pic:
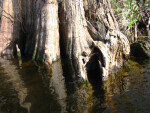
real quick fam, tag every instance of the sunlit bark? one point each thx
(88, 32)
(10, 27)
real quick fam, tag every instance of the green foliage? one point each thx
(134, 12)
(146, 5)
(129, 10)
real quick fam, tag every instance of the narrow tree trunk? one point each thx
(135, 33)
(10, 27)
(148, 28)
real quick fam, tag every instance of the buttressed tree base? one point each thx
(84, 31)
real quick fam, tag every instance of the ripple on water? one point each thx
(26, 88)
(136, 98)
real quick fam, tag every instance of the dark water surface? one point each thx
(27, 88)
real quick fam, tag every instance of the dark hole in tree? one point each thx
(94, 74)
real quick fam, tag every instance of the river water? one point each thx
(28, 88)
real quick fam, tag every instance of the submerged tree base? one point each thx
(85, 32)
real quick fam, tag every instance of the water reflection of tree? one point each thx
(38, 95)
(56, 90)
(32, 94)
(11, 72)
(83, 97)
(117, 82)
(57, 85)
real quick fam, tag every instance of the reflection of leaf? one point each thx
(137, 9)
(126, 6)
(146, 5)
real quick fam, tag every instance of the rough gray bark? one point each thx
(83, 45)
(41, 23)
(77, 41)
(117, 43)
(88, 30)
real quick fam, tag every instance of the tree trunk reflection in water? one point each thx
(17, 83)
(57, 84)
(33, 96)
(39, 91)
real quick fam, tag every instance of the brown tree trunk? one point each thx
(76, 39)
(42, 30)
(90, 36)
(47, 32)
(83, 48)
(10, 27)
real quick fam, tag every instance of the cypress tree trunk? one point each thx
(42, 30)
(10, 27)
(89, 34)
(76, 39)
